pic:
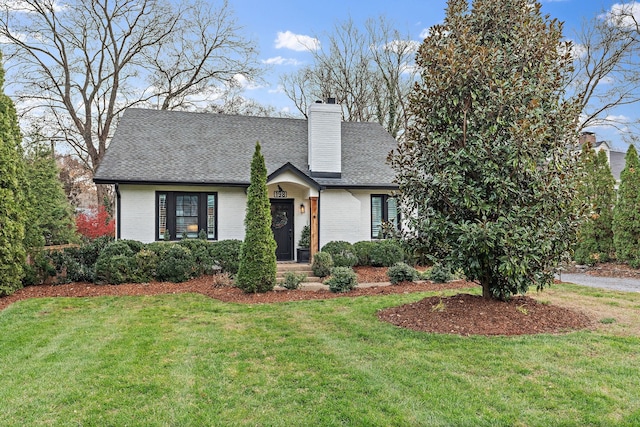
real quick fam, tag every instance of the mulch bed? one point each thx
(465, 314)
(460, 314)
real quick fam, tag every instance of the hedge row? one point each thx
(105, 261)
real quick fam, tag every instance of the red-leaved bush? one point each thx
(95, 223)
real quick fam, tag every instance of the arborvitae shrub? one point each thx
(322, 264)
(257, 270)
(626, 221)
(386, 253)
(363, 251)
(342, 253)
(402, 272)
(226, 255)
(343, 279)
(176, 264)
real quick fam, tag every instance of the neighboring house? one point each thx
(185, 172)
(615, 158)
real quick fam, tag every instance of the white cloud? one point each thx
(279, 89)
(611, 121)
(279, 60)
(578, 50)
(401, 46)
(425, 33)
(297, 42)
(625, 15)
(245, 83)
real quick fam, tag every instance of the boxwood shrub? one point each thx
(226, 255)
(341, 252)
(176, 264)
(386, 253)
(363, 251)
(343, 279)
(322, 264)
(402, 272)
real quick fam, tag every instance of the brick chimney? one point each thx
(325, 139)
(588, 137)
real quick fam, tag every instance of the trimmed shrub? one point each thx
(158, 248)
(292, 280)
(322, 264)
(201, 256)
(116, 264)
(176, 264)
(226, 255)
(342, 253)
(134, 245)
(440, 273)
(89, 252)
(402, 272)
(115, 269)
(386, 253)
(363, 251)
(343, 279)
(146, 262)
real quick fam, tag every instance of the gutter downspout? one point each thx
(118, 214)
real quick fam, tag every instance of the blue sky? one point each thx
(273, 23)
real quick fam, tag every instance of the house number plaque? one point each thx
(279, 193)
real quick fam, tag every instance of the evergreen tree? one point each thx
(51, 215)
(597, 194)
(626, 221)
(13, 212)
(486, 171)
(257, 272)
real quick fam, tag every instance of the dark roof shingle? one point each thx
(151, 146)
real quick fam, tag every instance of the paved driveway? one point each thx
(611, 283)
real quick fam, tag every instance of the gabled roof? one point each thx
(175, 147)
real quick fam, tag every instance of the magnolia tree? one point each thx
(486, 170)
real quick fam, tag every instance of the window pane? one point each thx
(392, 212)
(376, 216)
(187, 215)
(162, 214)
(211, 216)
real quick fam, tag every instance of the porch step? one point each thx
(284, 267)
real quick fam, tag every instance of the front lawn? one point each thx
(190, 360)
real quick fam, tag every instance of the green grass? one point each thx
(187, 360)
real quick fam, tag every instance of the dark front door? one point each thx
(282, 226)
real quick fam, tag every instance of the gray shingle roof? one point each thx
(151, 146)
(617, 163)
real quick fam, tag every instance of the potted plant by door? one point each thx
(303, 244)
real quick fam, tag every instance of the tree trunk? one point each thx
(104, 196)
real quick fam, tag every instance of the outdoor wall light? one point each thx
(302, 208)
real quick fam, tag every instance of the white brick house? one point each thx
(183, 172)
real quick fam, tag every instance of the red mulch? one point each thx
(463, 314)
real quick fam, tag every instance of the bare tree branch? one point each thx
(81, 63)
(370, 73)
